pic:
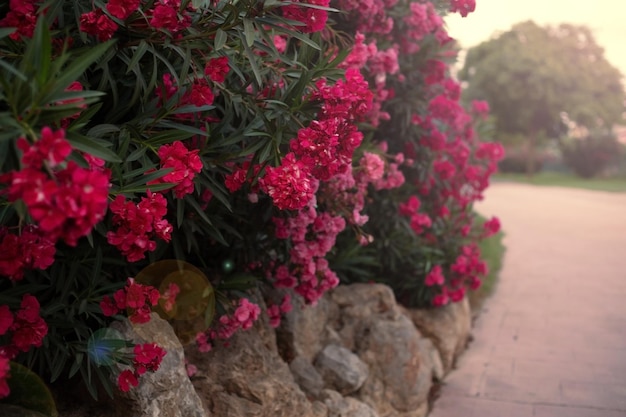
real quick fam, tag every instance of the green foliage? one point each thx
(122, 121)
(532, 76)
(590, 155)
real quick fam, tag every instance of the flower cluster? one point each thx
(325, 147)
(26, 251)
(26, 327)
(312, 236)
(147, 357)
(138, 224)
(275, 311)
(313, 19)
(242, 318)
(63, 199)
(184, 163)
(418, 221)
(464, 7)
(136, 299)
(23, 16)
(164, 15)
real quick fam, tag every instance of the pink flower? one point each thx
(138, 224)
(6, 319)
(28, 327)
(419, 221)
(164, 17)
(98, 24)
(491, 226)
(136, 298)
(52, 148)
(410, 207)
(217, 69)
(122, 8)
(185, 165)
(480, 108)
(23, 16)
(148, 357)
(373, 165)
(247, 313)
(464, 7)
(30, 250)
(290, 185)
(126, 380)
(314, 19)
(434, 277)
(200, 94)
(440, 300)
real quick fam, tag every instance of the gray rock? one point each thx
(432, 358)
(448, 327)
(307, 377)
(303, 331)
(341, 369)
(339, 406)
(400, 379)
(167, 392)
(247, 378)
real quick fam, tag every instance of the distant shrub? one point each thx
(591, 155)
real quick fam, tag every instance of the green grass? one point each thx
(492, 251)
(558, 179)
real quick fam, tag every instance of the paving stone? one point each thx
(552, 340)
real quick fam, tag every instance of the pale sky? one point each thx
(606, 18)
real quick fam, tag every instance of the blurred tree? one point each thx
(536, 77)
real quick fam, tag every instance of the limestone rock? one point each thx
(373, 326)
(400, 379)
(339, 406)
(448, 327)
(341, 369)
(303, 331)
(306, 376)
(167, 392)
(247, 378)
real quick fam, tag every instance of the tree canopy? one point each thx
(532, 76)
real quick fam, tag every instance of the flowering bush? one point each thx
(422, 227)
(222, 134)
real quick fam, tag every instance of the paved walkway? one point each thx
(551, 342)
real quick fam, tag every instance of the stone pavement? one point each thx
(551, 342)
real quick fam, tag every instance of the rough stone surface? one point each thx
(401, 379)
(339, 406)
(167, 392)
(365, 320)
(248, 378)
(306, 376)
(431, 356)
(448, 327)
(341, 369)
(304, 331)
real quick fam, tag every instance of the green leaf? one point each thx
(253, 64)
(83, 143)
(140, 50)
(220, 39)
(75, 69)
(249, 31)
